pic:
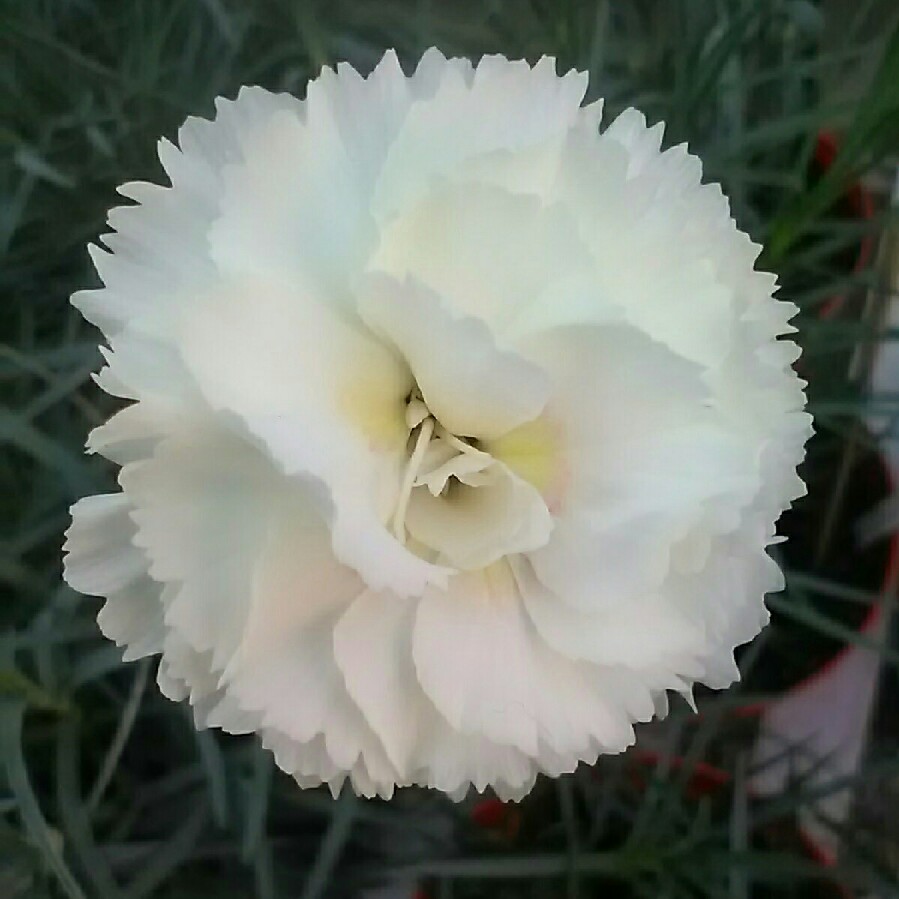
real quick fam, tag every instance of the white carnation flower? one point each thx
(458, 429)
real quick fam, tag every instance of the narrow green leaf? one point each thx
(739, 830)
(30, 161)
(15, 685)
(95, 664)
(831, 588)
(174, 852)
(53, 456)
(265, 872)
(332, 845)
(257, 803)
(517, 867)
(806, 614)
(872, 134)
(214, 769)
(120, 737)
(572, 836)
(74, 813)
(12, 713)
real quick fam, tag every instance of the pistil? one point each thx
(426, 431)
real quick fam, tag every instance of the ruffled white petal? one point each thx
(132, 618)
(359, 536)
(453, 762)
(295, 210)
(100, 556)
(472, 527)
(160, 246)
(472, 387)
(373, 649)
(326, 399)
(488, 673)
(132, 433)
(203, 505)
(101, 559)
(505, 106)
(646, 227)
(647, 461)
(285, 668)
(486, 252)
(620, 637)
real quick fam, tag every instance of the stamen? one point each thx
(458, 444)
(411, 473)
(460, 466)
(416, 413)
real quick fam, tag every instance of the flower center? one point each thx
(435, 457)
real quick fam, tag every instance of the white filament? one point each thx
(411, 473)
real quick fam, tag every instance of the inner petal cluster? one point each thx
(436, 456)
(450, 486)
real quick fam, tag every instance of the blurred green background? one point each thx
(107, 791)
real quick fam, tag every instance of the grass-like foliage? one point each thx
(106, 790)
